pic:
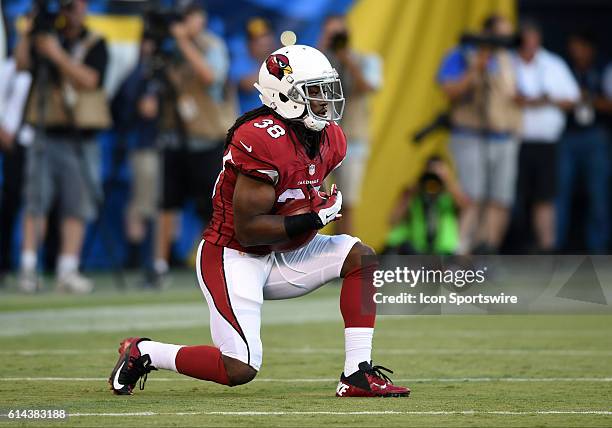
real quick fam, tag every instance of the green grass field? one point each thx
(57, 351)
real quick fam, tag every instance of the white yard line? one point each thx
(450, 351)
(340, 351)
(362, 413)
(324, 380)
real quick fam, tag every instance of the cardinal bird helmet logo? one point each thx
(278, 66)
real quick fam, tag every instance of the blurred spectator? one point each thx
(479, 81)
(360, 75)
(424, 221)
(136, 115)
(14, 89)
(64, 160)
(245, 69)
(584, 149)
(196, 109)
(546, 89)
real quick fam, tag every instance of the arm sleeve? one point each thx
(97, 58)
(8, 69)
(561, 85)
(371, 66)
(15, 104)
(217, 58)
(452, 68)
(339, 142)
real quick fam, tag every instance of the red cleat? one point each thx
(369, 381)
(130, 367)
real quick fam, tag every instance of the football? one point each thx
(294, 207)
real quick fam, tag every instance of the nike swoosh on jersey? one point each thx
(116, 383)
(248, 148)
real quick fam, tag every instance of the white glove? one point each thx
(326, 206)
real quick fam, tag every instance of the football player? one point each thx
(280, 151)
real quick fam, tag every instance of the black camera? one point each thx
(45, 20)
(489, 40)
(157, 23)
(339, 41)
(47, 17)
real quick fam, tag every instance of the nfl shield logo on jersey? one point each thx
(311, 169)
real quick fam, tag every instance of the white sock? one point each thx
(163, 355)
(67, 264)
(358, 348)
(160, 266)
(28, 260)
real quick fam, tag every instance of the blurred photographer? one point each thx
(424, 220)
(14, 89)
(67, 105)
(360, 75)
(584, 148)
(136, 117)
(245, 68)
(479, 82)
(195, 110)
(546, 91)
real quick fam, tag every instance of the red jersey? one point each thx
(262, 148)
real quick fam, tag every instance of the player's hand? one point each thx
(326, 205)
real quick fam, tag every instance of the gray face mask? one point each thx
(326, 90)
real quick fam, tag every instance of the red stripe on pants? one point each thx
(213, 276)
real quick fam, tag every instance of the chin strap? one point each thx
(314, 124)
(309, 121)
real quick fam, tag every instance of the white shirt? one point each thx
(14, 90)
(546, 74)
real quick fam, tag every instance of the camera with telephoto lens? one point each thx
(157, 23)
(489, 41)
(47, 19)
(339, 41)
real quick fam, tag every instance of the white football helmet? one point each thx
(292, 77)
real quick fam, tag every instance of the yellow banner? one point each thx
(411, 36)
